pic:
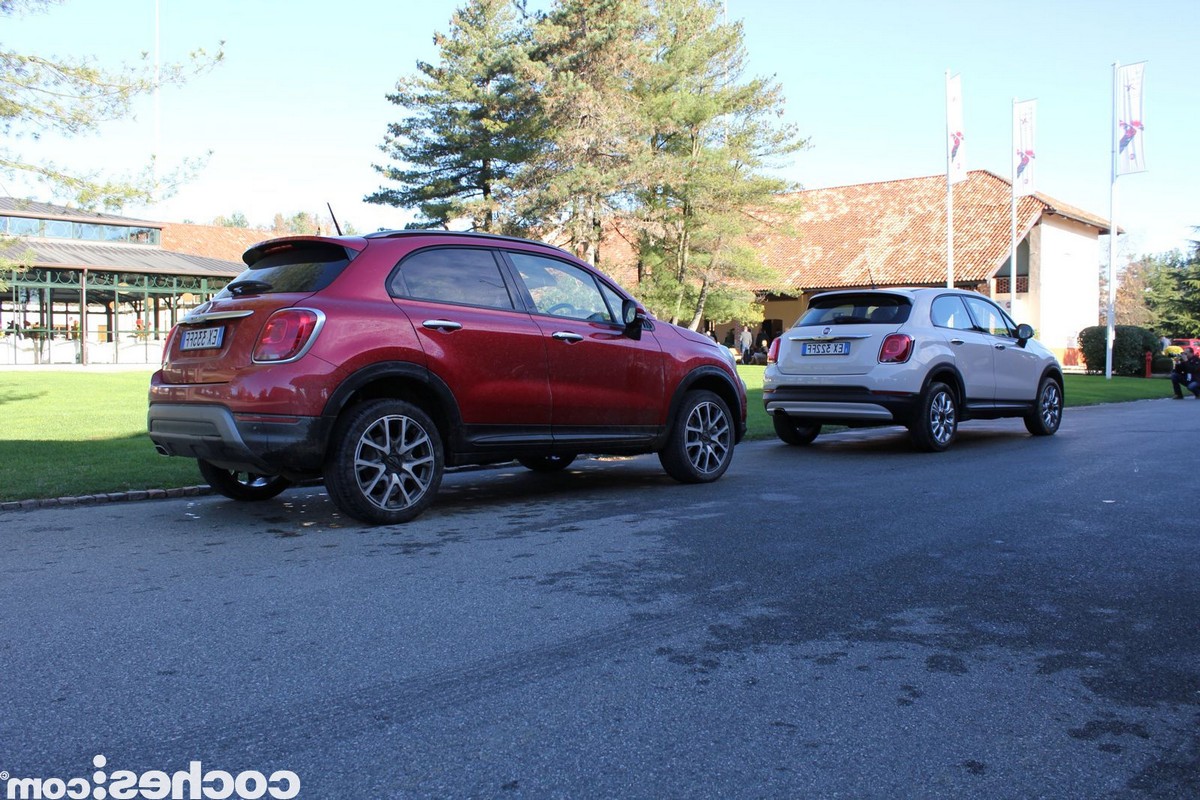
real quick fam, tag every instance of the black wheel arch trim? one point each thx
(444, 410)
(717, 380)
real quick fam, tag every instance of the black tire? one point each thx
(385, 462)
(546, 463)
(795, 431)
(1047, 414)
(936, 423)
(700, 445)
(247, 487)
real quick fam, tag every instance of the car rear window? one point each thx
(857, 309)
(306, 267)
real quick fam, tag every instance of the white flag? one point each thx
(1024, 128)
(1130, 132)
(956, 152)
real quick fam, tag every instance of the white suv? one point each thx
(923, 358)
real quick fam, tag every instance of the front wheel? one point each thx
(247, 487)
(385, 464)
(700, 446)
(793, 431)
(1047, 414)
(937, 420)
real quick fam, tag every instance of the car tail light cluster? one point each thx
(288, 334)
(896, 348)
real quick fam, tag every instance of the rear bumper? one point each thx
(846, 405)
(268, 444)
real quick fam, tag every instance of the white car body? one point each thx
(845, 362)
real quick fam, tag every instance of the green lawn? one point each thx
(77, 433)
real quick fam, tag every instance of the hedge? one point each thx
(1130, 346)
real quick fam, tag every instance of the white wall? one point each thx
(1068, 283)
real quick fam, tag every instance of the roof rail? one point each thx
(396, 234)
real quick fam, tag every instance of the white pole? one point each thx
(1112, 236)
(949, 196)
(1012, 244)
(157, 107)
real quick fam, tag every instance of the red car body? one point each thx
(258, 384)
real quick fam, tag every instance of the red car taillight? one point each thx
(896, 348)
(166, 350)
(773, 352)
(286, 335)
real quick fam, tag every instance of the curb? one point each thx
(108, 497)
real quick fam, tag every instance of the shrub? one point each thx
(1162, 365)
(1130, 346)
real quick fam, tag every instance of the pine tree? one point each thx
(587, 55)
(468, 123)
(711, 136)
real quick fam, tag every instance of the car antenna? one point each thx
(337, 227)
(870, 275)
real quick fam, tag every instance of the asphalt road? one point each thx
(1015, 618)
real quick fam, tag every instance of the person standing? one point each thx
(747, 342)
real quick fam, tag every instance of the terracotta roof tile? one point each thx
(894, 233)
(891, 233)
(212, 241)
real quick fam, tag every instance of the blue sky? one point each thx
(295, 115)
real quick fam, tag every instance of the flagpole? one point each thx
(1012, 244)
(1112, 235)
(949, 195)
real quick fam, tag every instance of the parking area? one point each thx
(1012, 618)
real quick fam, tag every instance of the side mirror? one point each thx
(1024, 333)
(632, 320)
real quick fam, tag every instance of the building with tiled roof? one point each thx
(122, 281)
(893, 233)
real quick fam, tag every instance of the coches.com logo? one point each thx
(194, 783)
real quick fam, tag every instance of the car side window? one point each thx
(463, 276)
(948, 311)
(988, 317)
(560, 289)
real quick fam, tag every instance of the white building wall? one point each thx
(1068, 284)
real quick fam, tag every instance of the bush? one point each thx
(1130, 346)
(1162, 365)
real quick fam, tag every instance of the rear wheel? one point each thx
(794, 431)
(546, 463)
(937, 421)
(247, 487)
(700, 446)
(1047, 414)
(386, 462)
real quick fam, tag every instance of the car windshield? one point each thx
(857, 309)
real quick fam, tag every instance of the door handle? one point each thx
(443, 325)
(566, 336)
(998, 346)
(956, 341)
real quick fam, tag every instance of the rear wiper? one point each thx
(248, 287)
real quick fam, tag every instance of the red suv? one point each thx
(376, 361)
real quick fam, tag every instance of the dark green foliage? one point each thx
(468, 122)
(1130, 346)
(1162, 365)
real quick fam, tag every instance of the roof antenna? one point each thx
(332, 217)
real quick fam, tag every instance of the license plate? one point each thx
(202, 338)
(825, 349)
